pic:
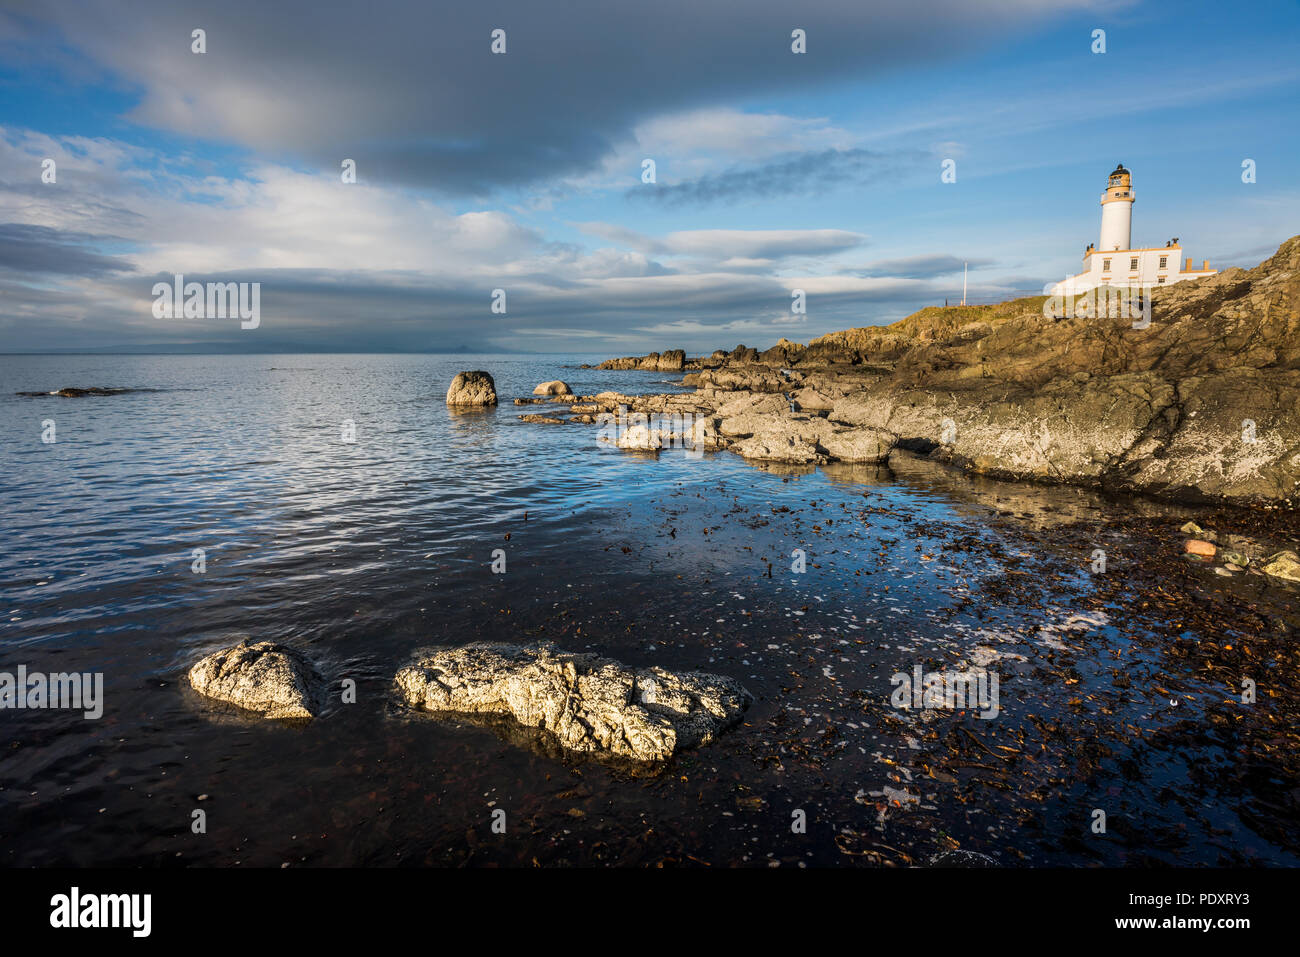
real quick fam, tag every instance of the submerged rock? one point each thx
(74, 392)
(271, 679)
(472, 388)
(589, 704)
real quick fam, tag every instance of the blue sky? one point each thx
(522, 171)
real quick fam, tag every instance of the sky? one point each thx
(775, 172)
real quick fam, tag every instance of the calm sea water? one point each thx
(360, 553)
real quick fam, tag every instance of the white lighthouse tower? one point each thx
(1114, 262)
(1117, 211)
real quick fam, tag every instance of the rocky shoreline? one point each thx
(1199, 404)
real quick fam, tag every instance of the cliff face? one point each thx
(1203, 403)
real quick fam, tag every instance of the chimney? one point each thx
(1188, 267)
(1205, 265)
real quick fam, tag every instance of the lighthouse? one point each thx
(1117, 211)
(1113, 261)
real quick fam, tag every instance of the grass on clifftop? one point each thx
(938, 321)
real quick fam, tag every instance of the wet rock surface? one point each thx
(270, 679)
(1237, 554)
(589, 704)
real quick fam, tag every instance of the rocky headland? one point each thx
(1199, 404)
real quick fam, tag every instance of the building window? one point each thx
(1160, 279)
(1133, 263)
(1164, 262)
(1105, 265)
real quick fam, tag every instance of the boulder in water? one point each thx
(589, 704)
(554, 387)
(472, 388)
(268, 678)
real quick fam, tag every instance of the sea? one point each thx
(336, 504)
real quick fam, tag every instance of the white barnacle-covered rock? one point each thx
(589, 704)
(270, 679)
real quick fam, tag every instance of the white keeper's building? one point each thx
(1114, 262)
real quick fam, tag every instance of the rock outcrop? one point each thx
(264, 677)
(472, 389)
(641, 438)
(554, 387)
(1201, 403)
(863, 445)
(76, 392)
(674, 360)
(589, 704)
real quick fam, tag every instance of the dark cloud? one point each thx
(798, 175)
(39, 250)
(412, 92)
(402, 312)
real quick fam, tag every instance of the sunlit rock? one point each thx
(589, 704)
(264, 677)
(472, 388)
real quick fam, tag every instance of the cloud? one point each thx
(718, 245)
(360, 267)
(413, 93)
(922, 267)
(798, 175)
(406, 258)
(26, 250)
